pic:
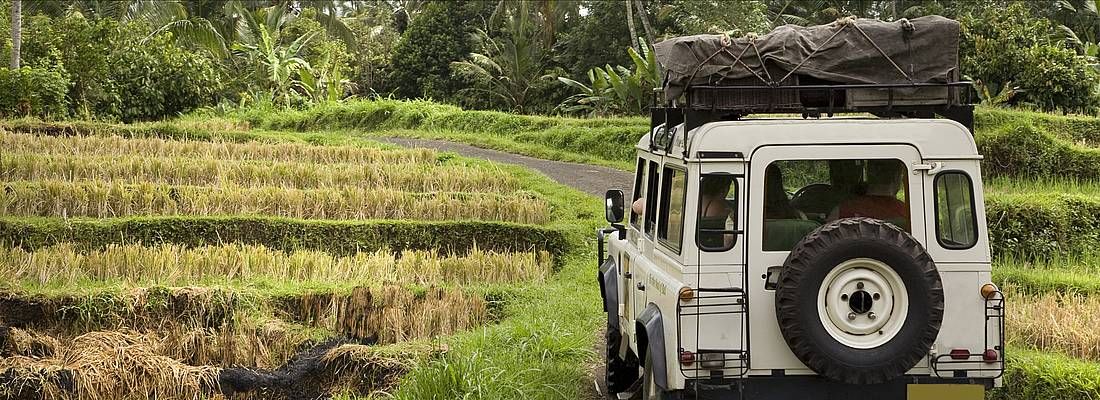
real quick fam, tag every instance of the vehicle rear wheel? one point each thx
(859, 301)
(619, 373)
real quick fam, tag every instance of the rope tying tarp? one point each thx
(850, 50)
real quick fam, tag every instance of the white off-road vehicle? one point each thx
(804, 257)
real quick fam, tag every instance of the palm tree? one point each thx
(509, 64)
(649, 35)
(16, 32)
(630, 25)
(213, 25)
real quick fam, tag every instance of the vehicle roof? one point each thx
(933, 138)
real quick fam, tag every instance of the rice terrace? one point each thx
(222, 199)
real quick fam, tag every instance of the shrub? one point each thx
(1008, 44)
(115, 72)
(1027, 150)
(1037, 226)
(440, 35)
(336, 237)
(33, 91)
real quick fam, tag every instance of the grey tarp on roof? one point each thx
(925, 48)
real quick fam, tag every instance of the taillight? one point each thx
(990, 356)
(687, 358)
(988, 291)
(686, 294)
(960, 354)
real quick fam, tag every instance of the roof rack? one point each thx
(895, 100)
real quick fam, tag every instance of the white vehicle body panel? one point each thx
(652, 273)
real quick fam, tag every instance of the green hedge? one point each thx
(605, 138)
(1040, 225)
(337, 237)
(1033, 375)
(1073, 128)
(33, 91)
(1026, 150)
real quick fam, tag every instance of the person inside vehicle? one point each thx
(715, 211)
(776, 203)
(784, 225)
(819, 199)
(879, 198)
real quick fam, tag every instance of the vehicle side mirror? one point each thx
(613, 206)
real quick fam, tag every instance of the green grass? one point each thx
(1081, 130)
(1075, 273)
(1039, 225)
(602, 141)
(1018, 185)
(1034, 375)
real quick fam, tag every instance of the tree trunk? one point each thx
(644, 16)
(630, 24)
(16, 31)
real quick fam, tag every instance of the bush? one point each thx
(115, 73)
(1025, 149)
(336, 237)
(33, 91)
(1037, 226)
(1003, 45)
(438, 36)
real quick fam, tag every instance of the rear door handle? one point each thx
(641, 286)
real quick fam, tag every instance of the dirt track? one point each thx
(590, 179)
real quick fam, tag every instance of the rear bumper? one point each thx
(813, 388)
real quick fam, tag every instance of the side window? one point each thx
(652, 180)
(716, 226)
(639, 192)
(800, 195)
(956, 223)
(670, 229)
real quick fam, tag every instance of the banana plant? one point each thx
(616, 89)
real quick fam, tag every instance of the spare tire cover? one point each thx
(859, 301)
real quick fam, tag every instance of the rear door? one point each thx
(818, 176)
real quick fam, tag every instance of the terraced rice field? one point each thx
(231, 260)
(150, 267)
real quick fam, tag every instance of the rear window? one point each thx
(801, 195)
(956, 222)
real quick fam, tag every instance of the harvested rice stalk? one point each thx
(137, 169)
(171, 265)
(54, 198)
(151, 308)
(15, 143)
(108, 365)
(1064, 323)
(390, 314)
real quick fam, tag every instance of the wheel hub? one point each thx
(862, 303)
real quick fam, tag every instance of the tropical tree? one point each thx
(279, 66)
(615, 89)
(509, 64)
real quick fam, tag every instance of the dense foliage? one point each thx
(138, 60)
(1009, 47)
(32, 91)
(115, 71)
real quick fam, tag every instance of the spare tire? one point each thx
(859, 301)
